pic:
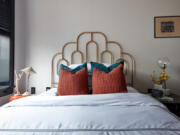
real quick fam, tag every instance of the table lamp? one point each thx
(28, 71)
(18, 78)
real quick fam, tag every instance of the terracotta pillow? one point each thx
(112, 82)
(73, 83)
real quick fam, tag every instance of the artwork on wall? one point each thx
(167, 26)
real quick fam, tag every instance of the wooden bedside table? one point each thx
(13, 97)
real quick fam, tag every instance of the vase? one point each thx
(167, 92)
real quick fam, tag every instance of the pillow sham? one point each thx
(71, 83)
(105, 68)
(112, 82)
(74, 69)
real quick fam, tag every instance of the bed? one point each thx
(130, 113)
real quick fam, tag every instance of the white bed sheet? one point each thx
(104, 114)
(53, 91)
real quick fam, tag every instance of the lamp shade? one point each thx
(163, 62)
(29, 70)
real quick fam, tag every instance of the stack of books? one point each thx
(167, 99)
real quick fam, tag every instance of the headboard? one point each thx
(101, 49)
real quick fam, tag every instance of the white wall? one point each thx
(20, 36)
(19, 41)
(43, 26)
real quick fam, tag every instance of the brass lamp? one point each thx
(163, 63)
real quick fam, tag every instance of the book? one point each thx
(166, 98)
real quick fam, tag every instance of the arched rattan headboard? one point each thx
(60, 57)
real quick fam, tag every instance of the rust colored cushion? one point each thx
(73, 83)
(112, 82)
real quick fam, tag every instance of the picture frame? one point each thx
(167, 27)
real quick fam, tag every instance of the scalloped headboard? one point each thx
(100, 47)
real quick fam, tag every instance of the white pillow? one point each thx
(51, 92)
(72, 66)
(131, 89)
(107, 65)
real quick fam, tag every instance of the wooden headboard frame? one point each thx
(129, 65)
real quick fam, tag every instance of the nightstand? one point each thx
(173, 106)
(13, 97)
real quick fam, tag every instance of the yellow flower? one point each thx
(161, 75)
(151, 76)
(159, 81)
(162, 72)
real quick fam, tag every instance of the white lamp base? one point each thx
(26, 93)
(17, 93)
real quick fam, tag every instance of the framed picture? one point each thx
(167, 27)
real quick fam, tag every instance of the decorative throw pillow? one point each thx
(74, 70)
(104, 68)
(73, 83)
(112, 82)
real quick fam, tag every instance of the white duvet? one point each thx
(107, 114)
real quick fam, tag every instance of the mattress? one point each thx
(103, 114)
